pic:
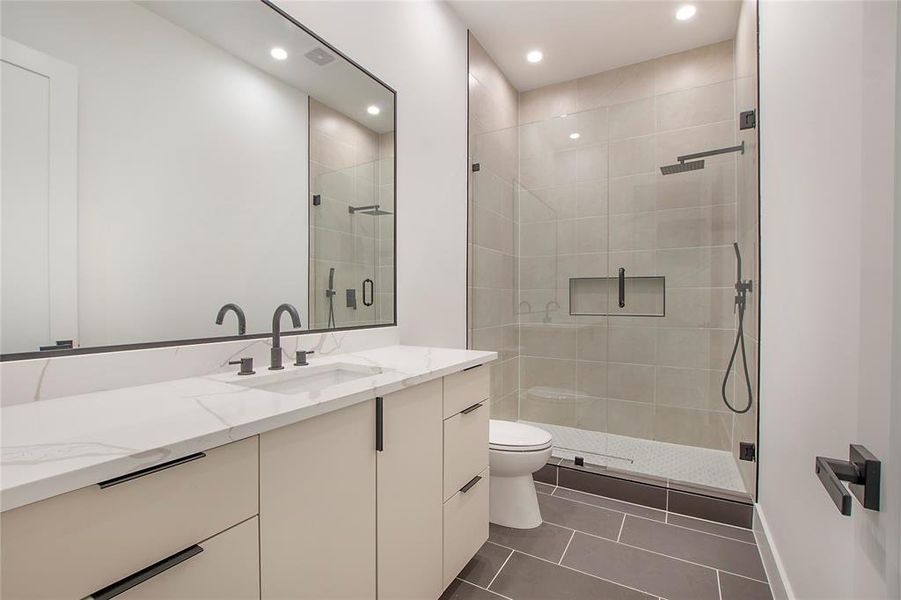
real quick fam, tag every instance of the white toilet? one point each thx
(516, 451)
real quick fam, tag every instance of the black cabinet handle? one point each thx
(471, 368)
(622, 287)
(471, 483)
(862, 471)
(379, 424)
(150, 470)
(123, 585)
(472, 408)
(371, 291)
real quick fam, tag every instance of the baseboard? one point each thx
(772, 563)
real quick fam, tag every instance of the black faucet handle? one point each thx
(246, 363)
(300, 357)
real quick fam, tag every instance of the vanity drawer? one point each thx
(72, 545)
(465, 389)
(465, 446)
(465, 526)
(225, 567)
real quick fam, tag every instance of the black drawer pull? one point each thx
(123, 585)
(471, 483)
(472, 408)
(471, 368)
(154, 469)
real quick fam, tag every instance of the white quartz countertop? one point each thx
(50, 447)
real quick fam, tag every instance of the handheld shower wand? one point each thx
(742, 289)
(330, 294)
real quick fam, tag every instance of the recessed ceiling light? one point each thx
(278, 53)
(373, 110)
(686, 12)
(534, 56)
(574, 136)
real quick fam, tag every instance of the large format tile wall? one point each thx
(491, 285)
(590, 205)
(748, 223)
(350, 165)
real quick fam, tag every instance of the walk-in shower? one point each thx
(605, 275)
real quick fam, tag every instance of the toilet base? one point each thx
(513, 502)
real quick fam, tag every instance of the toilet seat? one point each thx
(509, 436)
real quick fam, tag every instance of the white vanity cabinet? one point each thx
(386, 498)
(465, 496)
(409, 494)
(317, 507)
(76, 544)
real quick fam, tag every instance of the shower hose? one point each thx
(739, 340)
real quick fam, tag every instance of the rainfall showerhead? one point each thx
(372, 209)
(682, 167)
(689, 162)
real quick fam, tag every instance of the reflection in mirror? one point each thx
(161, 160)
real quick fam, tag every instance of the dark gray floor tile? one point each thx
(688, 544)
(659, 575)
(545, 541)
(739, 588)
(485, 564)
(625, 507)
(460, 590)
(618, 473)
(613, 487)
(714, 492)
(546, 474)
(527, 578)
(712, 509)
(597, 521)
(729, 531)
(543, 488)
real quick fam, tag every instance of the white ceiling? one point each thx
(248, 30)
(579, 38)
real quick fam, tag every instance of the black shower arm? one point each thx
(739, 148)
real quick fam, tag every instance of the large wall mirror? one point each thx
(161, 160)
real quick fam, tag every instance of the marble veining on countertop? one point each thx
(55, 446)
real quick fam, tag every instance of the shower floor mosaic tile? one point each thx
(702, 466)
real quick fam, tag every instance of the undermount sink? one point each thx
(300, 380)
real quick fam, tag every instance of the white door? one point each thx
(38, 206)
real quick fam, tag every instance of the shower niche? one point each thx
(617, 297)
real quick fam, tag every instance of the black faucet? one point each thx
(242, 320)
(275, 355)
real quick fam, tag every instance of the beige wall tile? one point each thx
(617, 86)
(636, 231)
(689, 388)
(592, 342)
(690, 227)
(550, 341)
(692, 427)
(491, 230)
(591, 413)
(671, 144)
(632, 119)
(630, 382)
(696, 106)
(557, 374)
(714, 184)
(683, 347)
(633, 193)
(633, 345)
(699, 307)
(697, 267)
(547, 102)
(631, 156)
(634, 419)
(701, 66)
(591, 379)
(491, 269)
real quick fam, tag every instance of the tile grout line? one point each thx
(719, 586)
(560, 562)
(506, 560)
(483, 589)
(600, 537)
(655, 520)
(621, 527)
(628, 587)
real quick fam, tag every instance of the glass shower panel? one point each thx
(562, 253)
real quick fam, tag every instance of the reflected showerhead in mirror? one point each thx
(372, 209)
(682, 167)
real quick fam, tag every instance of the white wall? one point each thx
(418, 48)
(827, 115)
(192, 175)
